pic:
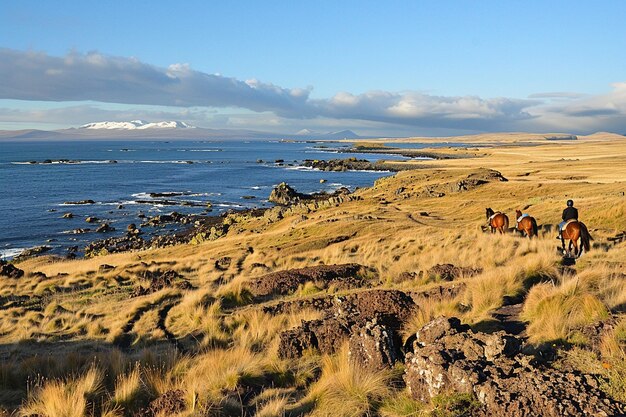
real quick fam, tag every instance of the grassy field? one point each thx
(75, 343)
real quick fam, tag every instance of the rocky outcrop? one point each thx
(114, 245)
(348, 315)
(373, 346)
(10, 271)
(159, 280)
(285, 195)
(32, 252)
(449, 357)
(167, 404)
(81, 202)
(285, 282)
(449, 272)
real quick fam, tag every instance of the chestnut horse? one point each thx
(497, 221)
(573, 231)
(526, 224)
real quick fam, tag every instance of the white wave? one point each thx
(10, 253)
(302, 168)
(165, 162)
(204, 150)
(229, 205)
(107, 161)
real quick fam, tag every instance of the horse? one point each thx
(573, 231)
(497, 221)
(526, 224)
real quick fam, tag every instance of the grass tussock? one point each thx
(347, 389)
(555, 312)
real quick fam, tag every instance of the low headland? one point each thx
(392, 300)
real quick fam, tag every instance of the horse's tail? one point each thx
(506, 222)
(535, 228)
(585, 237)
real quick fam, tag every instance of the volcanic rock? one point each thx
(373, 346)
(449, 272)
(286, 282)
(161, 279)
(10, 271)
(448, 358)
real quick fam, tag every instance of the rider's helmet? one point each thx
(570, 203)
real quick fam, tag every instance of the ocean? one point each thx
(119, 177)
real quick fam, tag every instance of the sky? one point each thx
(395, 68)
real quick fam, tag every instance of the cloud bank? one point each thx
(95, 77)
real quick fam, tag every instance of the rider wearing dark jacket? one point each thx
(570, 213)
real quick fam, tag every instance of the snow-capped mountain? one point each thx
(342, 134)
(137, 125)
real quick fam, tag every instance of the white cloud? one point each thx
(96, 77)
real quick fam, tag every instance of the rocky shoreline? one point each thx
(196, 228)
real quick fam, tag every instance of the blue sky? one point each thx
(375, 67)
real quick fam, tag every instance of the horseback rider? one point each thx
(570, 213)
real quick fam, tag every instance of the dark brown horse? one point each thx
(497, 221)
(573, 231)
(526, 224)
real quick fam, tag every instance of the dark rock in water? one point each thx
(120, 207)
(449, 358)
(373, 346)
(32, 252)
(80, 231)
(259, 161)
(80, 202)
(163, 219)
(67, 216)
(284, 195)
(10, 271)
(104, 228)
(285, 282)
(248, 197)
(166, 194)
(131, 229)
(46, 161)
(92, 219)
(71, 252)
(279, 161)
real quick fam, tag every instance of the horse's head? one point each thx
(489, 212)
(518, 214)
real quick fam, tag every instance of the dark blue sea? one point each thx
(114, 173)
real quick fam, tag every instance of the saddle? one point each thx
(568, 222)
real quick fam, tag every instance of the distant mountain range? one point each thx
(139, 129)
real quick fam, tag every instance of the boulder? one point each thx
(10, 271)
(104, 228)
(373, 346)
(285, 195)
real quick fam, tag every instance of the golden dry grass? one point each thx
(232, 345)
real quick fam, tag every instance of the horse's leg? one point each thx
(575, 242)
